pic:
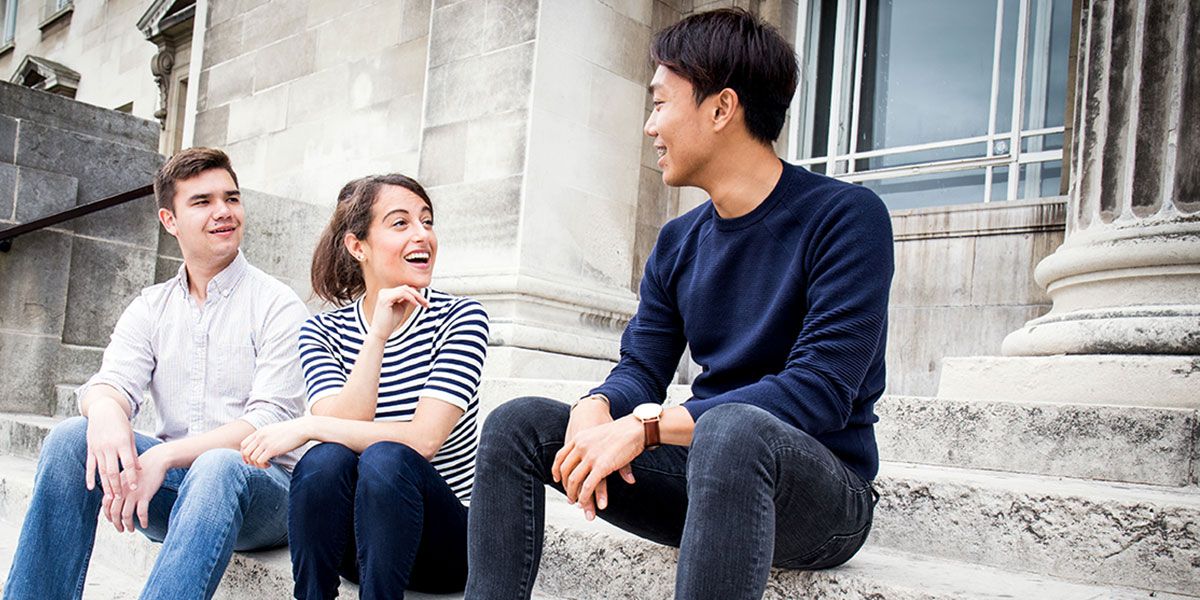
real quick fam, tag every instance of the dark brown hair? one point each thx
(336, 276)
(186, 164)
(730, 48)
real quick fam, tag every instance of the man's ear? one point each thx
(167, 218)
(725, 105)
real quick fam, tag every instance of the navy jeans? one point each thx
(750, 492)
(384, 519)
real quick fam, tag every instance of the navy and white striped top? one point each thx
(437, 353)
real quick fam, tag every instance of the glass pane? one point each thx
(1037, 143)
(927, 72)
(935, 189)
(1046, 65)
(10, 20)
(1040, 180)
(819, 125)
(999, 184)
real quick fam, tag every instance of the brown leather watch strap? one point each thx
(651, 433)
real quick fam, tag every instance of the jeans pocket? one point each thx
(835, 551)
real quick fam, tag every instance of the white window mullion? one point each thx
(997, 49)
(1018, 105)
(856, 104)
(1038, 90)
(841, 71)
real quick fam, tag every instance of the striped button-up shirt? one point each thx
(234, 358)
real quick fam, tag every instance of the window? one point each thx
(61, 4)
(10, 21)
(934, 102)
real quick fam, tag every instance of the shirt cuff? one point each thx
(444, 396)
(134, 406)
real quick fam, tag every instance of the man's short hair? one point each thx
(185, 164)
(730, 48)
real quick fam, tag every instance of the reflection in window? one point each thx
(915, 98)
(10, 21)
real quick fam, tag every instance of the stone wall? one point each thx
(100, 40)
(964, 280)
(308, 94)
(64, 287)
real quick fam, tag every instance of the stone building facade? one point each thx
(523, 118)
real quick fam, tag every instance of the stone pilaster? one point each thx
(531, 146)
(1127, 278)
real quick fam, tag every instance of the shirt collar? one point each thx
(224, 282)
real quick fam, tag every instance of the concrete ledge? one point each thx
(1121, 535)
(1130, 535)
(1127, 444)
(64, 113)
(1122, 380)
(589, 561)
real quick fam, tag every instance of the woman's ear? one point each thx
(354, 246)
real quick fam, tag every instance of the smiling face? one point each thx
(401, 246)
(678, 126)
(207, 219)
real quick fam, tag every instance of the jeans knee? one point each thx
(732, 425)
(68, 437)
(518, 419)
(390, 465)
(220, 469)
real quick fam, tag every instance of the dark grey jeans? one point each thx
(762, 492)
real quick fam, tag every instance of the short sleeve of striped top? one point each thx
(437, 353)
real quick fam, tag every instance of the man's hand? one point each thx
(268, 442)
(595, 446)
(138, 490)
(111, 448)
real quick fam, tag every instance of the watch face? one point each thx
(647, 411)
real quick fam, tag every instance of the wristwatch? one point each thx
(649, 415)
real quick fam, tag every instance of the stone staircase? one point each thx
(979, 499)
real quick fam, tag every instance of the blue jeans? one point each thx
(749, 493)
(200, 514)
(384, 519)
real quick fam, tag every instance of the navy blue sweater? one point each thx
(785, 308)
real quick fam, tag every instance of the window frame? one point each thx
(841, 154)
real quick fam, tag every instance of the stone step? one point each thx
(1086, 441)
(103, 582)
(594, 561)
(1119, 534)
(582, 561)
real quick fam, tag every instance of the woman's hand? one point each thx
(268, 442)
(390, 308)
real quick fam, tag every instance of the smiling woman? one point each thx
(392, 380)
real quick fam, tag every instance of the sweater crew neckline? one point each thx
(765, 207)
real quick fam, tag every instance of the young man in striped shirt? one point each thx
(215, 348)
(779, 285)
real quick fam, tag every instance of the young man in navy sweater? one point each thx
(780, 287)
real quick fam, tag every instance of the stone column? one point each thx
(531, 146)
(1127, 278)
